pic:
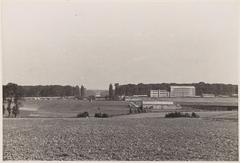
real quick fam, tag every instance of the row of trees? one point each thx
(50, 91)
(216, 89)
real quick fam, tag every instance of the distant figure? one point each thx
(15, 110)
(9, 107)
(3, 109)
(90, 99)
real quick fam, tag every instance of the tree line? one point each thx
(201, 88)
(47, 91)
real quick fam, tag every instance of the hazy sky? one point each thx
(96, 42)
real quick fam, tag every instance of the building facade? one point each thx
(158, 105)
(159, 93)
(208, 95)
(182, 91)
(163, 93)
(154, 93)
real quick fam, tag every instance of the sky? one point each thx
(95, 43)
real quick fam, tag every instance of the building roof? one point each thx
(157, 103)
(182, 86)
(157, 90)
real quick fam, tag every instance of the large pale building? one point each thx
(182, 91)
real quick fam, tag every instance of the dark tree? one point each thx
(110, 92)
(77, 92)
(82, 91)
(12, 93)
(116, 89)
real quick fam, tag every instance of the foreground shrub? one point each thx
(194, 115)
(104, 115)
(98, 115)
(179, 114)
(187, 115)
(83, 115)
(101, 115)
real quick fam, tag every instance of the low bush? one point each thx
(104, 115)
(194, 115)
(101, 115)
(179, 114)
(187, 115)
(83, 115)
(98, 115)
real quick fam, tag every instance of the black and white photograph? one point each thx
(120, 80)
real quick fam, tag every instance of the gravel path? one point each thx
(119, 139)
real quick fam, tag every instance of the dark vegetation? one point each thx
(129, 89)
(216, 89)
(101, 115)
(50, 91)
(12, 94)
(83, 115)
(111, 94)
(179, 114)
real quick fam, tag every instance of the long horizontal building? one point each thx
(182, 91)
(158, 105)
(159, 93)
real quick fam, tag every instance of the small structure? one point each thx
(98, 94)
(100, 98)
(140, 95)
(208, 95)
(235, 95)
(224, 96)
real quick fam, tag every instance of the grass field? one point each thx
(145, 136)
(70, 108)
(122, 138)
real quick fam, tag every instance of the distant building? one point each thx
(182, 91)
(154, 93)
(100, 98)
(98, 94)
(208, 95)
(158, 105)
(163, 93)
(223, 96)
(159, 93)
(234, 95)
(140, 95)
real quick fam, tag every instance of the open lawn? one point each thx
(122, 138)
(70, 108)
